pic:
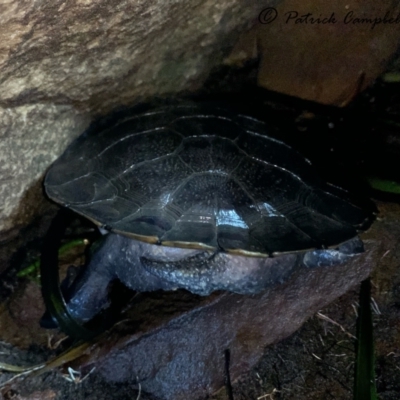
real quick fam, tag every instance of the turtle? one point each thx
(197, 196)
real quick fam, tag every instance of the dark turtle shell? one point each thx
(193, 175)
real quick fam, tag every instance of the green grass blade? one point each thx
(364, 379)
(384, 185)
(33, 269)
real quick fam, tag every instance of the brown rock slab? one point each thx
(322, 51)
(174, 347)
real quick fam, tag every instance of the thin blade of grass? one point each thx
(33, 268)
(364, 379)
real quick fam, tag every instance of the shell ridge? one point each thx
(126, 137)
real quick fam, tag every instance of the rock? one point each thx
(96, 54)
(31, 138)
(174, 346)
(335, 50)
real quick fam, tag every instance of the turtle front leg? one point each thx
(89, 292)
(115, 257)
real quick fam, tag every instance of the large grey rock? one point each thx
(31, 137)
(93, 56)
(100, 53)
